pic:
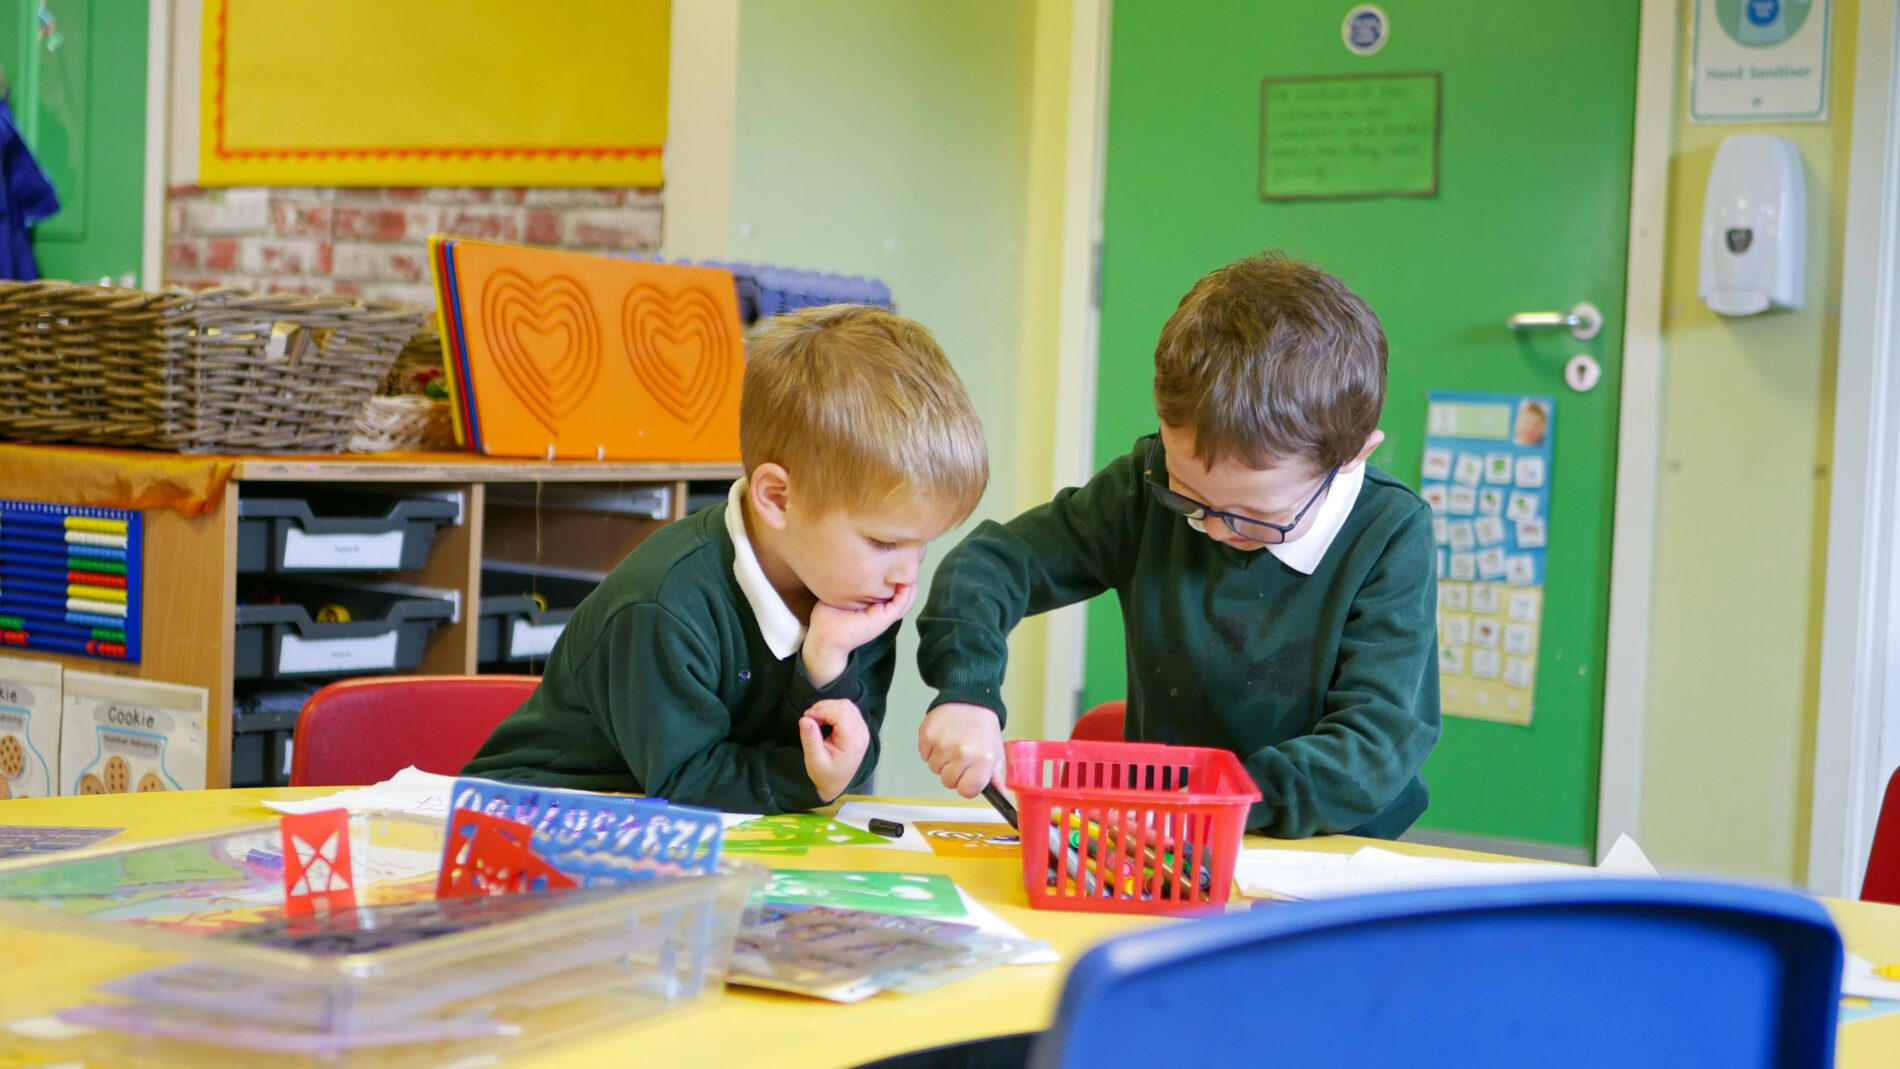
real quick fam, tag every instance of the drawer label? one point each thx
(533, 640)
(303, 550)
(299, 654)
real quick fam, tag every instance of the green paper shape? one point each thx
(99, 876)
(1325, 138)
(87, 905)
(188, 863)
(910, 893)
(792, 834)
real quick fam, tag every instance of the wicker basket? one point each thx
(406, 423)
(217, 370)
(422, 353)
(404, 417)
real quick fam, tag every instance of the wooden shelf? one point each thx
(191, 560)
(467, 467)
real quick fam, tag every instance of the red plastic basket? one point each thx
(1141, 827)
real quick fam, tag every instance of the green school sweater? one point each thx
(1326, 686)
(662, 684)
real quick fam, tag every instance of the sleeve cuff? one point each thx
(847, 686)
(988, 696)
(788, 788)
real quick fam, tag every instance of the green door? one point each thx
(1530, 213)
(77, 73)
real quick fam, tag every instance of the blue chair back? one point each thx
(1619, 973)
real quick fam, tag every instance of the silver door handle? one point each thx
(1583, 321)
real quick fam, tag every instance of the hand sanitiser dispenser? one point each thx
(1754, 227)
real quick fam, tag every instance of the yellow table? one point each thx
(747, 1027)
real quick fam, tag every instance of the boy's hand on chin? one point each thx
(834, 633)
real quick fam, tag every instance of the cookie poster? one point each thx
(1487, 478)
(29, 728)
(120, 736)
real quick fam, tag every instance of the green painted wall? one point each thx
(1748, 431)
(893, 139)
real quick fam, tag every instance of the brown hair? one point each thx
(859, 404)
(1268, 359)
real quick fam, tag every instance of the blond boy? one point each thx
(1278, 591)
(740, 657)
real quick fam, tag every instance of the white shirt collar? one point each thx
(783, 631)
(1304, 553)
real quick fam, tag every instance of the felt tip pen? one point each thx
(1001, 804)
(1073, 861)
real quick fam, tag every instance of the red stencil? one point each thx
(490, 855)
(317, 870)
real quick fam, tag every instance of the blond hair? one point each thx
(1268, 359)
(860, 405)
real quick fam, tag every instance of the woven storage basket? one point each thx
(403, 417)
(194, 372)
(423, 352)
(406, 423)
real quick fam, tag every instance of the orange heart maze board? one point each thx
(558, 354)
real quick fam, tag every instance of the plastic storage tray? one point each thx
(338, 532)
(512, 627)
(1128, 827)
(384, 633)
(260, 749)
(262, 719)
(177, 953)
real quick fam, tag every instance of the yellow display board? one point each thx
(434, 92)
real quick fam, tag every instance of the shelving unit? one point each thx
(573, 518)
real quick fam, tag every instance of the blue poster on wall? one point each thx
(1487, 477)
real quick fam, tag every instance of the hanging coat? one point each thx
(26, 198)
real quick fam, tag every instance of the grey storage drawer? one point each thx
(385, 631)
(263, 716)
(512, 627)
(327, 532)
(260, 749)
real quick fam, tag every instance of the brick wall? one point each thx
(374, 242)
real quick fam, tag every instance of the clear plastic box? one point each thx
(177, 952)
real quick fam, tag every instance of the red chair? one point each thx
(366, 730)
(1100, 724)
(1882, 882)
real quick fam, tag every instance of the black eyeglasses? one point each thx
(1264, 531)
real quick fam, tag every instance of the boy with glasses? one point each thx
(1278, 592)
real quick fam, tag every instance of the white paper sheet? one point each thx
(409, 791)
(1859, 979)
(1306, 874)
(990, 923)
(1626, 859)
(859, 814)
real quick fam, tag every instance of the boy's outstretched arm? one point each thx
(656, 699)
(1078, 545)
(1382, 716)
